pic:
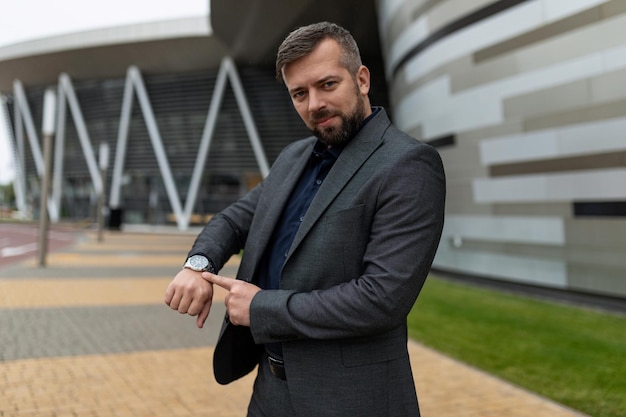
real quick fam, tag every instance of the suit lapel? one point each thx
(281, 195)
(278, 200)
(350, 160)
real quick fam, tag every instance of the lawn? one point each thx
(575, 356)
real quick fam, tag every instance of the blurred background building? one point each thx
(524, 99)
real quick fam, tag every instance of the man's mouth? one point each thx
(324, 121)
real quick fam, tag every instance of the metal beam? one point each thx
(18, 181)
(134, 85)
(24, 118)
(227, 70)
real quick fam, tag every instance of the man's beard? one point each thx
(350, 125)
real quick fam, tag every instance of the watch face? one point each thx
(198, 262)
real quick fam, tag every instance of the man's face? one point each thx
(331, 101)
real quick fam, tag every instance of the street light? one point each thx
(104, 163)
(48, 126)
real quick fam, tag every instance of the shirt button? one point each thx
(301, 219)
(318, 182)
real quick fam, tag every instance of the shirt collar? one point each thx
(375, 111)
(320, 150)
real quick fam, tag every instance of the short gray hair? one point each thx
(303, 40)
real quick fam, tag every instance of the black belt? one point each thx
(277, 367)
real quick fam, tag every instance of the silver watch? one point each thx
(198, 263)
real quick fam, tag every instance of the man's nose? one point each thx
(316, 101)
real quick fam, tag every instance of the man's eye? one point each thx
(298, 94)
(329, 84)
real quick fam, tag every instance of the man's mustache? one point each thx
(322, 115)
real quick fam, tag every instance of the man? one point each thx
(337, 242)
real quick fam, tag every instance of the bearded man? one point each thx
(337, 243)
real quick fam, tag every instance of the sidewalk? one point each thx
(89, 335)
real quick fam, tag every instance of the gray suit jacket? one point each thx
(354, 270)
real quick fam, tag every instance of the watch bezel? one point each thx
(191, 263)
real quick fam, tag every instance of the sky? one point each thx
(24, 20)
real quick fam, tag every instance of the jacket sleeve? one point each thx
(225, 234)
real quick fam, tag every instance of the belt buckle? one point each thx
(277, 367)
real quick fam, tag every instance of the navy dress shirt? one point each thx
(320, 163)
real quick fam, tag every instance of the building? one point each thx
(524, 99)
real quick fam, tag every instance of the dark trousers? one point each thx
(270, 397)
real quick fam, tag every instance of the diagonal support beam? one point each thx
(134, 84)
(227, 70)
(24, 118)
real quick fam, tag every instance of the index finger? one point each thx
(219, 280)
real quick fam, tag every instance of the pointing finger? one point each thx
(219, 280)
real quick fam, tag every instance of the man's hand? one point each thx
(188, 293)
(238, 299)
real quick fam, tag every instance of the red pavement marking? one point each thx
(19, 242)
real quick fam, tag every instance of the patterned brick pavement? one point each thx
(89, 335)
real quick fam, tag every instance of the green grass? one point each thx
(575, 356)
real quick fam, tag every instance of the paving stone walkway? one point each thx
(89, 335)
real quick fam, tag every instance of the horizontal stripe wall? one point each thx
(526, 102)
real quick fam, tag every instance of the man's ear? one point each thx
(363, 79)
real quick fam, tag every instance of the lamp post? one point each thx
(104, 163)
(49, 113)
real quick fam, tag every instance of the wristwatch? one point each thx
(198, 263)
